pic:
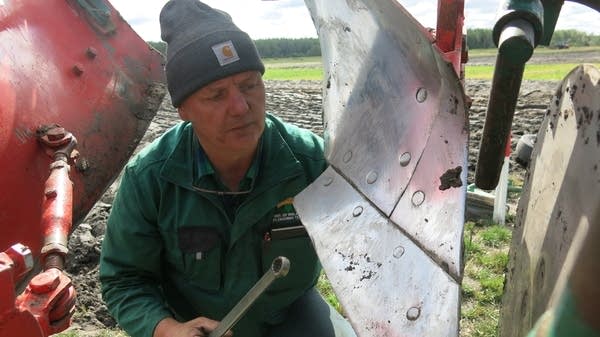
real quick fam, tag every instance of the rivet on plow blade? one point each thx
(421, 95)
(405, 159)
(418, 198)
(398, 252)
(413, 313)
(372, 177)
(357, 211)
(347, 157)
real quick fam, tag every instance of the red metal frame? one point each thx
(449, 33)
(63, 69)
(62, 63)
(15, 262)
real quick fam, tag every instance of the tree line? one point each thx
(477, 38)
(480, 38)
(272, 48)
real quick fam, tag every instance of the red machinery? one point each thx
(78, 89)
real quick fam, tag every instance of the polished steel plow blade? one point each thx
(559, 203)
(386, 283)
(396, 138)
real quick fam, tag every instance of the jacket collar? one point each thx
(278, 161)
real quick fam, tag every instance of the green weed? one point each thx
(486, 256)
(495, 236)
(325, 289)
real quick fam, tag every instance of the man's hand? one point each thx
(198, 327)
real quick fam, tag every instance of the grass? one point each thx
(310, 68)
(326, 291)
(536, 72)
(293, 68)
(293, 74)
(486, 256)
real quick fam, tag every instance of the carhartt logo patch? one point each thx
(225, 53)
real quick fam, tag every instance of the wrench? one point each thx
(279, 268)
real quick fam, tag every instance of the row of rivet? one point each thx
(418, 198)
(414, 312)
(91, 53)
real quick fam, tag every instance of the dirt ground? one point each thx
(297, 102)
(562, 56)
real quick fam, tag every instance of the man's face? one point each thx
(228, 115)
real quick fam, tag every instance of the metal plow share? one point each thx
(386, 218)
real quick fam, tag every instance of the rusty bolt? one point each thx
(55, 134)
(54, 261)
(21, 255)
(91, 53)
(45, 282)
(82, 165)
(77, 69)
(50, 194)
(56, 247)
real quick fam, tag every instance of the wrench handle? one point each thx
(279, 268)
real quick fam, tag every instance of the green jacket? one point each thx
(170, 250)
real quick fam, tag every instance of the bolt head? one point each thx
(55, 134)
(45, 282)
(21, 255)
(91, 52)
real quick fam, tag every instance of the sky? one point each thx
(290, 18)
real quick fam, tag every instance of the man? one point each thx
(202, 211)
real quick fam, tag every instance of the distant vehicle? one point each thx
(562, 45)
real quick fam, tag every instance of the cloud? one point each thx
(580, 17)
(290, 18)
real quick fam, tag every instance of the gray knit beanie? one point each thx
(203, 45)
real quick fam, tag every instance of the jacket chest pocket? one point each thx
(201, 249)
(293, 243)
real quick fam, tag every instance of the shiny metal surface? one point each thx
(387, 285)
(559, 203)
(385, 85)
(432, 209)
(395, 120)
